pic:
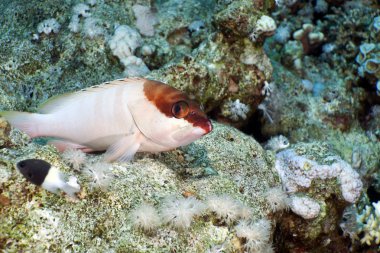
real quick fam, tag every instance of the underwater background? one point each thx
(292, 164)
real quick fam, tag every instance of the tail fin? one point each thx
(71, 187)
(25, 121)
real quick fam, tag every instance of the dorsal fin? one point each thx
(55, 102)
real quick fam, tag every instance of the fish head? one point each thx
(169, 118)
(188, 122)
(34, 170)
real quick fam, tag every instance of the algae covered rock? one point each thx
(5, 129)
(62, 47)
(328, 113)
(225, 162)
(227, 67)
(239, 18)
(321, 184)
(59, 47)
(219, 73)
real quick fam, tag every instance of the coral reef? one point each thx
(99, 42)
(277, 199)
(317, 114)
(325, 91)
(123, 45)
(215, 76)
(179, 212)
(34, 219)
(5, 129)
(369, 63)
(145, 19)
(320, 185)
(145, 217)
(299, 166)
(256, 234)
(277, 143)
(369, 224)
(48, 26)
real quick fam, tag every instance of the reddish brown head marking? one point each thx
(165, 96)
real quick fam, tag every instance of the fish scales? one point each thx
(86, 119)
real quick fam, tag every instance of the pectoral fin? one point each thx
(124, 149)
(63, 145)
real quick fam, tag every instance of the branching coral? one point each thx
(236, 110)
(369, 224)
(277, 143)
(123, 45)
(282, 34)
(145, 19)
(48, 26)
(309, 38)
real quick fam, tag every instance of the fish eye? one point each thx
(180, 109)
(30, 175)
(21, 164)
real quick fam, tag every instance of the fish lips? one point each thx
(200, 121)
(207, 127)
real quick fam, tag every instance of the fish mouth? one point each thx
(202, 129)
(204, 124)
(207, 127)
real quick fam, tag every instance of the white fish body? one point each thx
(54, 182)
(123, 117)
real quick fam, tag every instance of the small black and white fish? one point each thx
(42, 173)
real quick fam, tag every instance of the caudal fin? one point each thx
(71, 187)
(25, 121)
